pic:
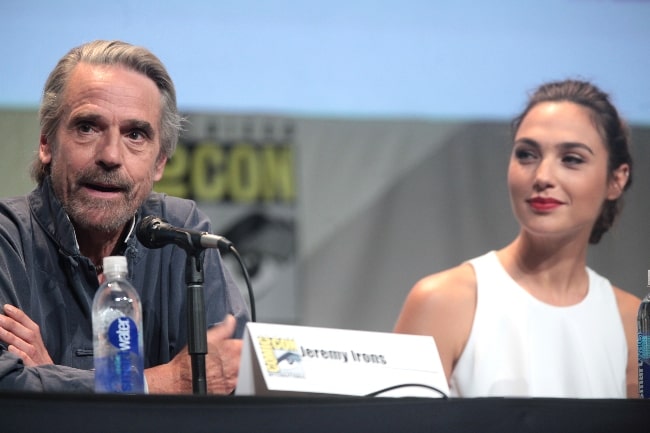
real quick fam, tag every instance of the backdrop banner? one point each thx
(337, 218)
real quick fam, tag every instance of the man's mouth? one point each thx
(102, 187)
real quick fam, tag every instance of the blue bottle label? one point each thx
(644, 365)
(123, 334)
(121, 371)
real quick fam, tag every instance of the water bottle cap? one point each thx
(115, 264)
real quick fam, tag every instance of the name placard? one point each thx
(286, 359)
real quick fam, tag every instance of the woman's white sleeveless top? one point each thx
(520, 346)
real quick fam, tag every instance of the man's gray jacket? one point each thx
(43, 273)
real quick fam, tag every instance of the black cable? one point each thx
(405, 385)
(251, 296)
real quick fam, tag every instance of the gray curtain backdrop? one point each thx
(408, 208)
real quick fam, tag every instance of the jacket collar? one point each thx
(50, 215)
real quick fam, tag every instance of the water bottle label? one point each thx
(644, 365)
(120, 371)
(123, 334)
(644, 380)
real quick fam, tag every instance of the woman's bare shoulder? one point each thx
(442, 305)
(628, 304)
(440, 297)
(628, 307)
(454, 283)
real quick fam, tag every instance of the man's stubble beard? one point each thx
(115, 215)
(83, 210)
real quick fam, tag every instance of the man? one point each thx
(109, 122)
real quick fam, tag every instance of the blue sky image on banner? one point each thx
(462, 59)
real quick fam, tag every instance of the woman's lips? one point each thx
(544, 204)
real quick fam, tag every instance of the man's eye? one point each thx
(137, 135)
(85, 128)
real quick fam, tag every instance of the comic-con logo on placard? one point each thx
(281, 356)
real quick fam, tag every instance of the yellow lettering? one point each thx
(268, 355)
(283, 344)
(173, 182)
(207, 176)
(241, 173)
(277, 180)
(244, 174)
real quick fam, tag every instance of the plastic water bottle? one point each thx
(643, 326)
(117, 332)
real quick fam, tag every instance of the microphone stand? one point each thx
(196, 322)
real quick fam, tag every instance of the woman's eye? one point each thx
(524, 154)
(572, 159)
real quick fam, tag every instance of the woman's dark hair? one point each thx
(611, 127)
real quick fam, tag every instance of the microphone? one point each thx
(155, 232)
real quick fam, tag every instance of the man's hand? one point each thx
(222, 365)
(23, 337)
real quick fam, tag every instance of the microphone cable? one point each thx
(251, 296)
(407, 385)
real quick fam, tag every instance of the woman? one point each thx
(531, 319)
